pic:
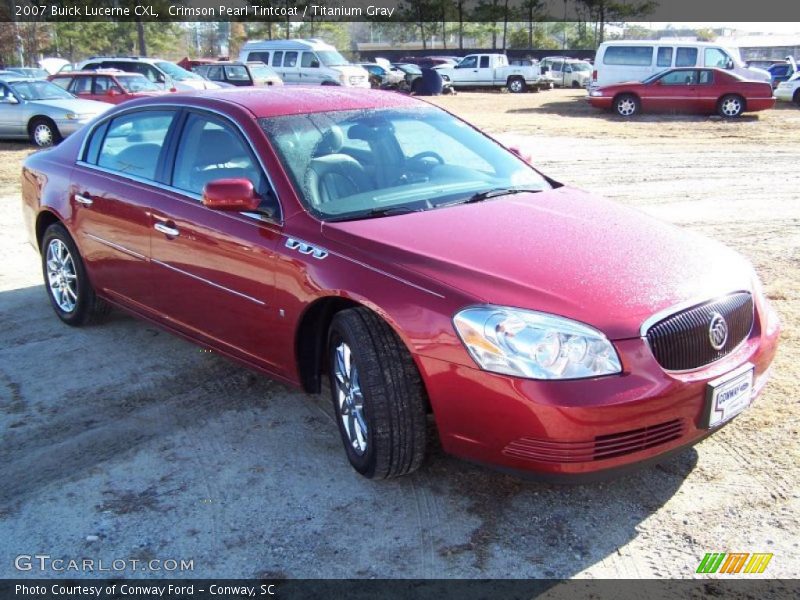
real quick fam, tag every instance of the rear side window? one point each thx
(686, 57)
(214, 73)
(664, 58)
(62, 82)
(484, 62)
(634, 56)
(105, 83)
(706, 77)
(133, 142)
(277, 59)
(237, 73)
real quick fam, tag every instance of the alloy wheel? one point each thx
(61, 277)
(731, 107)
(350, 399)
(626, 107)
(43, 135)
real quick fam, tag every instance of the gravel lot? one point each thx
(121, 441)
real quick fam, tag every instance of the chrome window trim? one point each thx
(178, 107)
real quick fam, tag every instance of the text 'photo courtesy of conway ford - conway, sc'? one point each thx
(427, 273)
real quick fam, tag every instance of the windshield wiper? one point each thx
(389, 211)
(493, 193)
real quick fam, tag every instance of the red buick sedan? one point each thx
(382, 245)
(704, 91)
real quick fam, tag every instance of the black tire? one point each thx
(576, 85)
(43, 132)
(627, 105)
(730, 106)
(796, 97)
(392, 396)
(416, 86)
(87, 306)
(516, 85)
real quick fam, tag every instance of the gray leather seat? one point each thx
(331, 174)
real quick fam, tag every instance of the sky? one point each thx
(778, 28)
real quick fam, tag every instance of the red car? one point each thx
(704, 91)
(380, 243)
(111, 86)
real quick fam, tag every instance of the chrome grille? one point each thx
(681, 341)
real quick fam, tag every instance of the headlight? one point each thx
(596, 93)
(71, 116)
(535, 345)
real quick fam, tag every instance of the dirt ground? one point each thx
(121, 441)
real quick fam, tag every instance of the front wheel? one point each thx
(65, 279)
(377, 394)
(516, 85)
(730, 106)
(796, 97)
(626, 105)
(43, 133)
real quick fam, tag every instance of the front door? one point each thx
(674, 91)
(12, 123)
(214, 271)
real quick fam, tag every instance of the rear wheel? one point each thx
(730, 106)
(516, 85)
(796, 97)
(626, 105)
(65, 279)
(377, 395)
(43, 132)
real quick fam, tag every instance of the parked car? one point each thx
(568, 72)
(8, 75)
(37, 110)
(239, 74)
(782, 71)
(686, 90)
(305, 62)
(491, 71)
(619, 61)
(111, 86)
(161, 72)
(29, 72)
(381, 243)
(789, 91)
(382, 77)
(413, 79)
(430, 61)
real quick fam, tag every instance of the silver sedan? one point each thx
(42, 112)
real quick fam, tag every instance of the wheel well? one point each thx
(513, 77)
(311, 337)
(618, 96)
(35, 118)
(43, 221)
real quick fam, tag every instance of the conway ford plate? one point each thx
(729, 395)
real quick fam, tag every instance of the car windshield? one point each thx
(654, 77)
(369, 163)
(177, 73)
(137, 84)
(331, 58)
(39, 90)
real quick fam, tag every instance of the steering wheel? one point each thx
(428, 154)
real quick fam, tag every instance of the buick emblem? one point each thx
(717, 331)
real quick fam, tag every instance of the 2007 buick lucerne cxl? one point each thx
(382, 244)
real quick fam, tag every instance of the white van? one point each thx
(306, 62)
(634, 60)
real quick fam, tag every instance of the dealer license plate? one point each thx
(729, 395)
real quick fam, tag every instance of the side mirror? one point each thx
(11, 100)
(314, 64)
(729, 64)
(230, 194)
(160, 78)
(523, 155)
(112, 92)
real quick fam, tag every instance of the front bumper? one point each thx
(586, 428)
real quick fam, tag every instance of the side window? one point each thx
(210, 149)
(262, 56)
(634, 56)
(686, 57)
(469, 63)
(81, 85)
(310, 60)
(237, 73)
(103, 84)
(290, 60)
(214, 73)
(484, 62)
(91, 67)
(706, 77)
(277, 59)
(133, 142)
(557, 66)
(62, 82)
(664, 57)
(679, 78)
(714, 57)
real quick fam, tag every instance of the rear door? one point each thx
(113, 186)
(215, 270)
(485, 73)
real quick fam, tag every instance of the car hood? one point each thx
(563, 251)
(73, 105)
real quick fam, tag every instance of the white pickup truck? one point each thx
(493, 70)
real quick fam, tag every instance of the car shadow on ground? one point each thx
(582, 109)
(127, 430)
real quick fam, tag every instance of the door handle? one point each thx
(85, 200)
(167, 230)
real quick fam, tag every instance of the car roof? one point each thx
(107, 72)
(288, 100)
